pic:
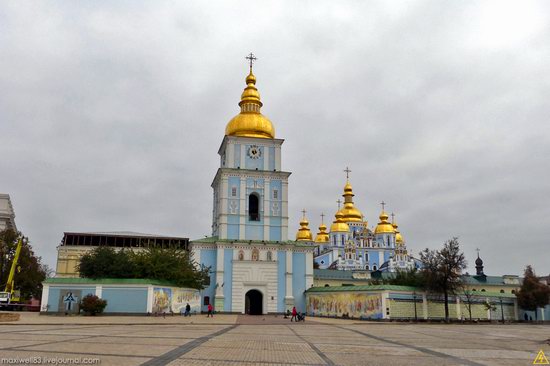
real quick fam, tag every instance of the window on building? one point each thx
(253, 207)
(241, 255)
(269, 256)
(206, 300)
(366, 257)
(233, 191)
(255, 254)
(275, 194)
(501, 291)
(374, 268)
(367, 267)
(343, 241)
(326, 285)
(482, 290)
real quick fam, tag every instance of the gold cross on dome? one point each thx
(338, 202)
(251, 58)
(304, 213)
(347, 171)
(383, 205)
(392, 217)
(322, 218)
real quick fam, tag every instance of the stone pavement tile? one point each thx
(67, 358)
(356, 340)
(259, 345)
(503, 362)
(369, 350)
(136, 341)
(9, 343)
(387, 360)
(192, 362)
(37, 318)
(207, 353)
(483, 353)
(101, 348)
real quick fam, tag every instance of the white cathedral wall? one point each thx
(258, 275)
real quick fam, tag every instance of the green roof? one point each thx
(106, 281)
(363, 288)
(490, 280)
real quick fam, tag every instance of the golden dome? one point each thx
(304, 234)
(339, 226)
(384, 226)
(398, 237)
(322, 235)
(250, 122)
(349, 211)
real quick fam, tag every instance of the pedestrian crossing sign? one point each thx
(541, 359)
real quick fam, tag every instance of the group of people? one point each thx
(296, 316)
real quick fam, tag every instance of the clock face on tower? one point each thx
(254, 152)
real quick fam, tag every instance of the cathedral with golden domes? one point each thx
(352, 245)
(254, 268)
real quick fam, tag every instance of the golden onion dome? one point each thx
(304, 234)
(322, 235)
(398, 237)
(250, 122)
(349, 211)
(384, 226)
(339, 225)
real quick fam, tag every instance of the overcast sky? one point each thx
(111, 115)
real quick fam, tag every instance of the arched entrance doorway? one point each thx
(253, 304)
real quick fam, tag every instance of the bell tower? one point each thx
(250, 188)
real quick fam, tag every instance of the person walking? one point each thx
(210, 311)
(294, 314)
(187, 310)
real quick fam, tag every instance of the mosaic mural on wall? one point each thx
(162, 299)
(181, 298)
(349, 304)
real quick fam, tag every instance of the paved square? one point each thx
(244, 340)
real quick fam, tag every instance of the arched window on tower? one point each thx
(241, 255)
(269, 256)
(253, 207)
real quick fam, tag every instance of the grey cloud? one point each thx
(111, 115)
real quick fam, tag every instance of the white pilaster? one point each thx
(150, 299)
(230, 155)
(242, 210)
(289, 298)
(266, 158)
(309, 270)
(219, 271)
(243, 156)
(278, 158)
(45, 297)
(267, 208)
(99, 291)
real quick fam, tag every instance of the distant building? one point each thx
(74, 245)
(7, 214)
